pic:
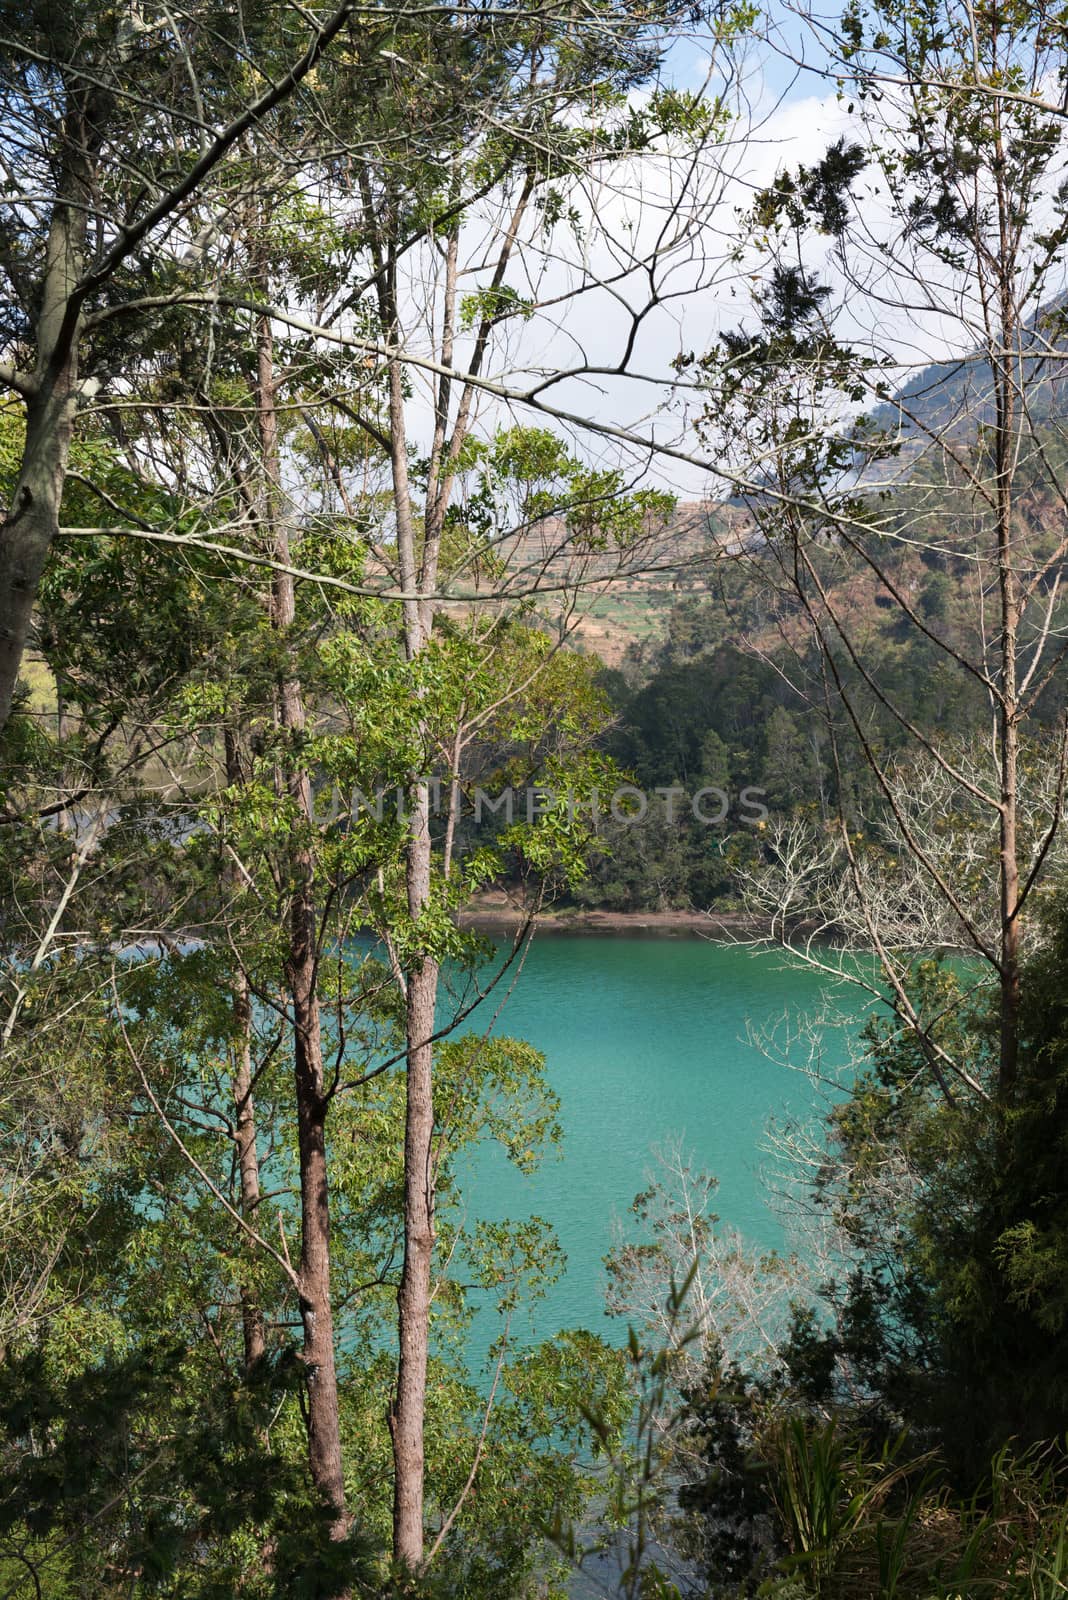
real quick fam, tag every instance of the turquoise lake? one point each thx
(646, 1040)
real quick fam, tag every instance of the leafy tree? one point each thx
(82, 224)
(953, 1317)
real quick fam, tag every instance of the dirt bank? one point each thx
(495, 912)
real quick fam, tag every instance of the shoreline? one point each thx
(495, 913)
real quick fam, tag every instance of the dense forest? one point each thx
(724, 700)
(331, 339)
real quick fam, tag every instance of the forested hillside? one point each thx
(725, 698)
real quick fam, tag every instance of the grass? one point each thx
(888, 1528)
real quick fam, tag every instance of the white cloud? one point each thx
(659, 263)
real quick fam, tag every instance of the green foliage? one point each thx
(492, 305)
(953, 1314)
(140, 1267)
(707, 716)
(902, 1446)
(725, 1519)
(820, 192)
(123, 1470)
(798, 1504)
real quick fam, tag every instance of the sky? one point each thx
(709, 268)
(783, 118)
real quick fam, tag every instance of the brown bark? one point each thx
(1007, 383)
(301, 976)
(1008, 714)
(418, 561)
(316, 1309)
(1010, 924)
(413, 1298)
(248, 1163)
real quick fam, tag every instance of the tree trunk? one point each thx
(1007, 387)
(301, 974)
(1010, 923)
(413, 1298)
(52, 395)
(316, 1309)
(248, 1162)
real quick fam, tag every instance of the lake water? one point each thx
(645, 1040)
